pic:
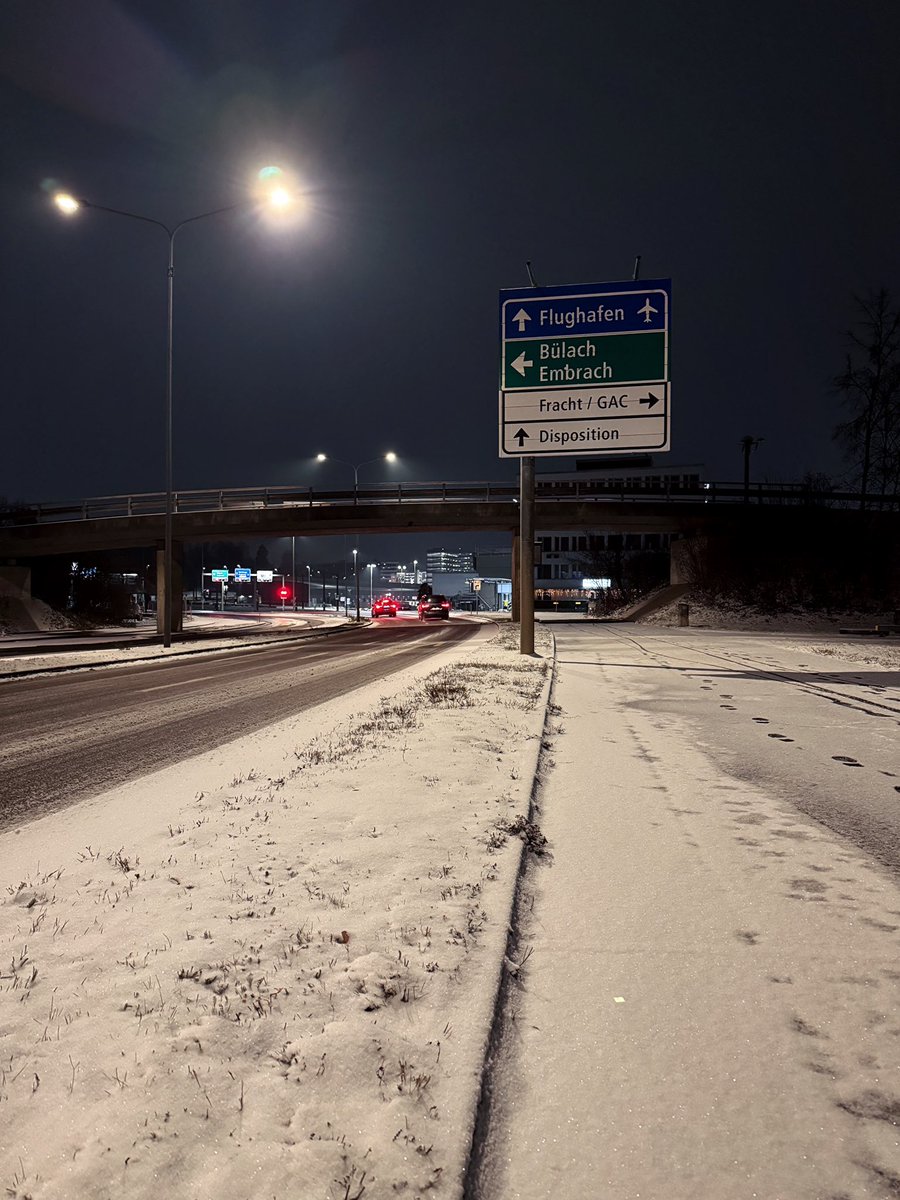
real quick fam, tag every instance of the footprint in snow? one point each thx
(781, 737)
(761, 720)
(846, 760)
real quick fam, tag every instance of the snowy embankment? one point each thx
(31, 662)
(705, 615)
(278, 984)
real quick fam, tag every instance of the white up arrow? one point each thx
(521, 363)
(520, 318)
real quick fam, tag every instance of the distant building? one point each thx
(408, 574)
(494, 564)
(453, 562)
(568, 562)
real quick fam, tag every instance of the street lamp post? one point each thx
(294, 570)
(309, 602)
(371, 592)
(390, 457)
(356, 577)
(69, 205)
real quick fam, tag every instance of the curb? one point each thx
(505, 976)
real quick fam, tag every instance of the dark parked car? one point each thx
(434, 606)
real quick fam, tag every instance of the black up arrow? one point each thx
(522, 435)
(650, 400)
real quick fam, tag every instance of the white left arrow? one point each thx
(520, 318)
(521, 363)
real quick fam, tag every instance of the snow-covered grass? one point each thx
(280, 983)
(29, 663)
(704, 615)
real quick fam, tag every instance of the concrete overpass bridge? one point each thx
(132, 521)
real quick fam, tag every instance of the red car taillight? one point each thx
(445, 605)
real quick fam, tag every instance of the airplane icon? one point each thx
(647, 310)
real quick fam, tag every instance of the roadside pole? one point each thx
(526, 555)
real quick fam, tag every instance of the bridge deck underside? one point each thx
(322, 520)
(111, 533)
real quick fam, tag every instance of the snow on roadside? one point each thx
(28, 663)
(704, 615)
(279, 986)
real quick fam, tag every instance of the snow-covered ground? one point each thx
(30, 661)
(710, 1003)
(703, 615)
(270, 971)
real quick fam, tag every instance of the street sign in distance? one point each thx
(219, 576)
(242, 574)
(584, 368)
(265, 576)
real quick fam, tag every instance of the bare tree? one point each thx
(871, 386)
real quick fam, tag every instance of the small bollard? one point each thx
(684, 613)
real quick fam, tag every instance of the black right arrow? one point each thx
(522, 435)
(650, 400)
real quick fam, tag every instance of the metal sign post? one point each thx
(526, 556)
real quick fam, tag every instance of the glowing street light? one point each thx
(390, 457)
(66, 203)
(356, 577)
(275, 195)
(371, 567)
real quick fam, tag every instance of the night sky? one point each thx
(748, 151)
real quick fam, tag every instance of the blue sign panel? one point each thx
(242, 574)
(635, 306)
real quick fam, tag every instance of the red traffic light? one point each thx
(284, 593)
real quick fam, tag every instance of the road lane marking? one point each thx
(180, 683)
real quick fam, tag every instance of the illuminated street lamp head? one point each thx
(275, 188)
(390, 456)
(321, 458)
(66, 203)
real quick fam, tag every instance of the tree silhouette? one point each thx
(871, 386)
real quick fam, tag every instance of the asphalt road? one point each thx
(76, 734)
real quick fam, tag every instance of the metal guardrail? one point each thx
(221, 499)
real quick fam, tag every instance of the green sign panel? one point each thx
(584, 361)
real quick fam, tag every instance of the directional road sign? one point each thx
(584, 368)
(219, 576)
(242, 574)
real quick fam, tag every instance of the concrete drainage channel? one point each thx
(501, 1041)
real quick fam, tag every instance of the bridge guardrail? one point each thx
(219, 499)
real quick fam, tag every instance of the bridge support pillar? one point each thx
(177, 587)
(682, 551)
(516, 580)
